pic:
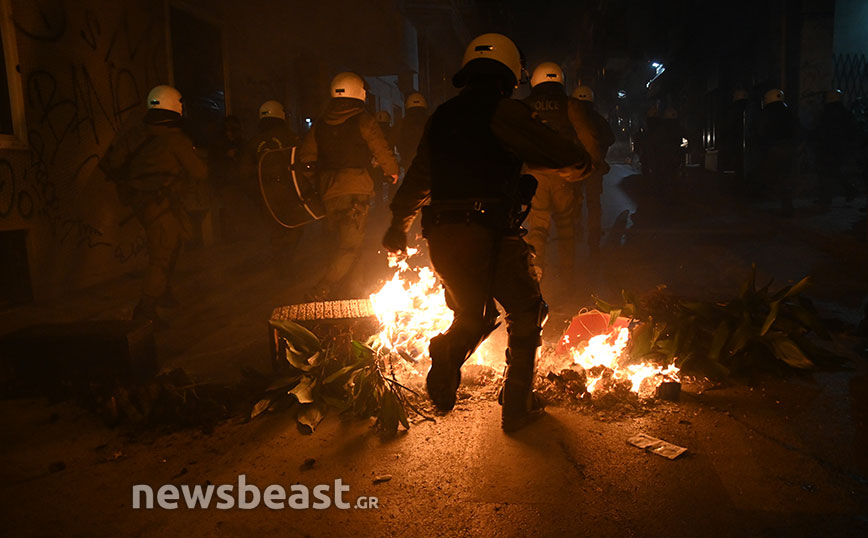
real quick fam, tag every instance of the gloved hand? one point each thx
(395, 240)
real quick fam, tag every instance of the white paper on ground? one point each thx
(657, 446)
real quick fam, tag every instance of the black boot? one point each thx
(444, 377)
(520, 405)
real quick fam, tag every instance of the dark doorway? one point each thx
(15, 287)
(197, 63)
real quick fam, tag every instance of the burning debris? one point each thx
(610, 361)
(592, 356)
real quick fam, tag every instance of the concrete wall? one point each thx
(85, 68)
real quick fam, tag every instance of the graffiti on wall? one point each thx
(86, 68)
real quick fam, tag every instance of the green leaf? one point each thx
(799, 287)
(362, 352)
(613, 315)
(298, 361)
(805, 314)
(341, 373)
(402, 414)
(283, 383)
(340, 405)
(770, 318)
(659, 328)
(741, 335)
(602, 305)
(310, 415)
(387, 418)
(718, 340)
(303, 392)
(300, 343)
(640, 340)
(260, 407)
(787, 351)
(819, 355)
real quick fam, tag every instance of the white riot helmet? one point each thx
(833, 96)
(271, 109)
(384, 117)
(584, 93)
(165, 98)
(773, 96)
(547, 72)
(495, 47)
(348, 84)
(416, 100)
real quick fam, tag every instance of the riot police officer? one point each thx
(468, 166)
(342, 142)
(778, 133)
(555, 197)
(273, 133)
(596, 135)
(409, 130)
(150, 164)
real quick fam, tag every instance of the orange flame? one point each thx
(411, 308)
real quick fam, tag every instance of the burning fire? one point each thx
(411, 308)
(604, 360)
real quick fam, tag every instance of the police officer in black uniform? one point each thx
(467, 169)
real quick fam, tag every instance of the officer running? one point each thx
(409, 130)
(273, 133)
(468, 169)
(595, 133)
(150, 163)
(342, 143)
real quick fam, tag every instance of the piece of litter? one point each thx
(382, 478)
(657, 446)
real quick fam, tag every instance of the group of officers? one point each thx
(482, 166)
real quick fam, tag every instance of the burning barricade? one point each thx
(591, 358)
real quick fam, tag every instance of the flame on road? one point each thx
(411, 308)
(605, 360)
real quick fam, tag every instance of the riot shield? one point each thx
(290, 200)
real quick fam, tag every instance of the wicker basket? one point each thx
(337, 321)
(325, 310)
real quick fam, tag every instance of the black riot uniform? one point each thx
(777, 135)
(468, 172)
(273, 134)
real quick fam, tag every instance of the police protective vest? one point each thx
(549, 102)
(342, 145)
(467, 159)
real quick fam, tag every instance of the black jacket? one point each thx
(473, 148)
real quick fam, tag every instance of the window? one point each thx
(13, 129)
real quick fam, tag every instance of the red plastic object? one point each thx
(585, 326)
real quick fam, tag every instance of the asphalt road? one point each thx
(771, 461)
(778, 458)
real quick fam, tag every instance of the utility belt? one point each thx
(493, 214)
